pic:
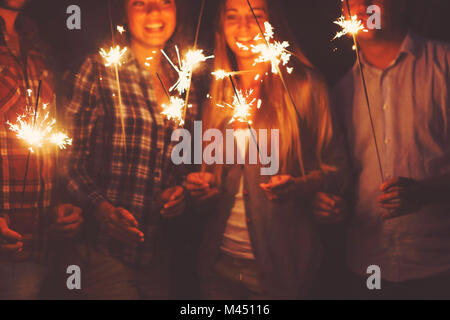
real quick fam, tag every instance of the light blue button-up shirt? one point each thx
(411, 110)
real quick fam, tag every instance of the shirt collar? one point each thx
(411, 44)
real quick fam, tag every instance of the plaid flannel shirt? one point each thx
(128, 173)
(18, 74)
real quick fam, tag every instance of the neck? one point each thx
(10, 17)
(383, 50)
(247, 79)
(142, 53)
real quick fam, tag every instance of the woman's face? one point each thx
(151, 22)
(240, 26)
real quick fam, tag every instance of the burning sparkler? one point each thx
(352, 27)
(37, 130)
(114, 56)
(186, 67)
(271, 51)
(174, 110)
(242, 106)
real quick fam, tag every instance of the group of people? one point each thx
(117, 206)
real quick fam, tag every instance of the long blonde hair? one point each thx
(309, 91)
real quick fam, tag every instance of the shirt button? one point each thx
(385, 107)
(387, 141)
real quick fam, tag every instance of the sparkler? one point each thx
(271, 51)
(114, 57)
(186, 67)
(242, 106)
(39, 131)
(353, 27)
(302, 167)
(174, 110)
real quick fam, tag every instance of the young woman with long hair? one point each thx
(260, 236)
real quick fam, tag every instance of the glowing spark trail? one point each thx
(222, 74)
(352, 26)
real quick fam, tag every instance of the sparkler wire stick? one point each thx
(291, 98)
(116, 71)
(248, 124)
(363, 79)
(163, 86)
(195, 47)
(25, 178)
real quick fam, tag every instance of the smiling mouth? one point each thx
(154, 27)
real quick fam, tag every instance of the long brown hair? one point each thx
(277, 112)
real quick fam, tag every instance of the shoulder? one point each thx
(433, 51)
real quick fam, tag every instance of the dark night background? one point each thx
(310, 20)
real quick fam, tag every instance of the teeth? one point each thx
(154, 26)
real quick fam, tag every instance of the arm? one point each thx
(82, 116)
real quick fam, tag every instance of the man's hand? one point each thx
(10, 241)
(67, 222)
(199, 186)
(120, 223)
(173, 202)
(281, 187)
(401, 196)
(329, 208)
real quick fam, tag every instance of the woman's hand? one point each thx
(282, 187)
(10, 241)
(329, 208)
(199, 186)
(67, 221)
(120, 224)
(173, 202)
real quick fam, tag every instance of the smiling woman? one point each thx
(120, 167)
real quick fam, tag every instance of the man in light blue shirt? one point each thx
(401, 221)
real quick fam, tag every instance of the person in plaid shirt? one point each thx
(128, 183)
(25, 217)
